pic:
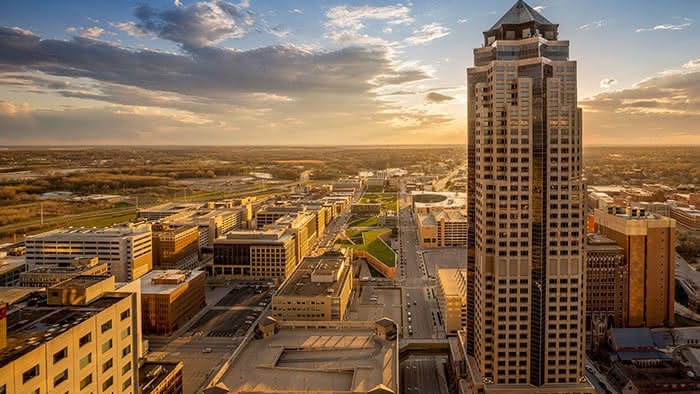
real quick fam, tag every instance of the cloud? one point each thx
(607, 83)
(659, 106)
(344, 24)
(296, 11)
(387, 30)
(687, 23)
(199, 25)
(93, 32)
(177, 3)
(437, 98)
(206, 89)
(595, 25)
(130, 28)
(462, 20)
(427, 33)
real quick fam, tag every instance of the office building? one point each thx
(11, 269)
(649, 243)
(606, 286)
(526, 197)
(303, 226)
(81, 339)
(127, 249)
(452, 298)
(211, 223)
(441, 228)
(319, 289)
(267, 253)
(49, 275)
(170, 298)
(175, 246)
(687, 217)
(427, 201)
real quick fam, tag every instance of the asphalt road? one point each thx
(418, 289)
(423, 375)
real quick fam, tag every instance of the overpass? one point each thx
(423, 347)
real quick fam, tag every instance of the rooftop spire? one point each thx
(521, 12)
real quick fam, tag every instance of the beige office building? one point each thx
(256, 254)
(48, 275)
(452, 298)
(443, 228)
(82, 340)
(649, 243)
(319, 289)
(127, 249)
(526, 196)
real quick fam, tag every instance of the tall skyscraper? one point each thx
(526, 198)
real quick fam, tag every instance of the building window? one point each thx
(106, 346)
(60, 355)
(60, 378)
(126, 384)
(85, 360)
(126, 350)
(107, 365)
(85, 339)
(126, 332)
(86, 381)
(125, 314)
(126, 368)
(30, 374)
(107, 326)
(107, 383)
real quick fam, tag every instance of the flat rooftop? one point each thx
(82, 232)
(32, 326)
(345, 358)
(269, 235)
(301, 283)
(596, 241)
(80, 282)
(46, 269)
(12, 295)
(10, 263)
(148, 287)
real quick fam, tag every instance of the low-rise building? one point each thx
(11, 268)
(452, 298)
(687, 217)
(82, 338)
(127, 249)
(161, 377)
(317, 357)
(267, 253)
(49, 275)
(319, 289)
(440, 228)
(366, 208)
(175, 246)
(170, 298)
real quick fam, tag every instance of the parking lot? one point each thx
(216, 334)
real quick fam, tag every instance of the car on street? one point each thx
(206, 350)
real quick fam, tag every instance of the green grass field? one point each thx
(364, 222)
(388, 200)
(374, 246)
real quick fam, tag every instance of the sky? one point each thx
(276, 72)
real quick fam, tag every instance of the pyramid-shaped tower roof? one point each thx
(521, 12)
